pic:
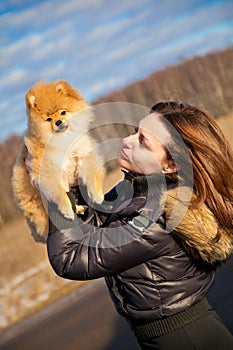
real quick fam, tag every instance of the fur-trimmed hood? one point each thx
(197, 229)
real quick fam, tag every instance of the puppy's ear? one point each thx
(62, 86)
(31, 99)
(66, 89)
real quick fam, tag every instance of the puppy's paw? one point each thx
(98, 197)
(69, 214)
(79, 209)
(67, 211)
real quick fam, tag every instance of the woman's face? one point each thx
(144, 151)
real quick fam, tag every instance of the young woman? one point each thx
(160, 234)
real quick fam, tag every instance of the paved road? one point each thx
(83, 320)
(86, 320)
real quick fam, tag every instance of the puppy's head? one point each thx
(49, 106)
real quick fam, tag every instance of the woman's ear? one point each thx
(169, 167)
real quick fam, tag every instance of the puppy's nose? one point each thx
(58, 122)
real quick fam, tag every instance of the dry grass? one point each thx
(18, 250)
(27, 280)
(226, 124)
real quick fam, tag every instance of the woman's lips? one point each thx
(123, 154)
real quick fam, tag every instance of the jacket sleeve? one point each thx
(80, 251)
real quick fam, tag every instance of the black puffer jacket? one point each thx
(147, 272)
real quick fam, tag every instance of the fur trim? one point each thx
(196, 231)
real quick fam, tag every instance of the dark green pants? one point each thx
(207, 333)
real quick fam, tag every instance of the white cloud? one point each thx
(17, 50)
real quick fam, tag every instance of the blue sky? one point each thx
(99, 45)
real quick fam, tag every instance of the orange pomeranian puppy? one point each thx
(55, 153)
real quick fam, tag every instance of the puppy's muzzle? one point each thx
(61, 125)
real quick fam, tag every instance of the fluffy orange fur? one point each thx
(55, 152)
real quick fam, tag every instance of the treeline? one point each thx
(203, 81)
(8, 153)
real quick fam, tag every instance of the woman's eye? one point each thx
(48, 119)
(63, 113)
(141, 140)
(135, 130)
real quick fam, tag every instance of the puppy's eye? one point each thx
(63, 113)
(48, 119)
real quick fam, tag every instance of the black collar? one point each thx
(145, 185)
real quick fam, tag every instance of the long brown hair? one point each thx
(211, 157)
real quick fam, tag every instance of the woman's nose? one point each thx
(129, 140)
